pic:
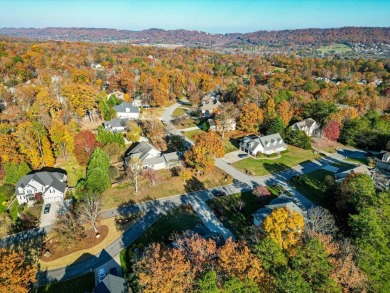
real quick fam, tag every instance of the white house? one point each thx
(279, 202)
(127, 110)
(270, 144)
(116, 125)
(51, 186)
(386, 157)
(151, 157)
(309, 126)
(230, 125)
(209, 105)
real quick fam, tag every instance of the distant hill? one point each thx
(364, 35)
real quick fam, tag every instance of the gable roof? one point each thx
(51, 179)
(126, 105)
(279, 202)
(116, 122)
(111, 284)
(359, 169)
(140, 151)
(309, 122)
(269, 142)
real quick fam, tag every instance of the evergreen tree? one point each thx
(98, 171)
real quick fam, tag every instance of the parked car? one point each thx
(242, 155)
(101, 274)
(219, 193)
(114, 271)
(47, 208)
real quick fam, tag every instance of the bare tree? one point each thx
(320, 220)
(67, 228)
(134, 168)
(227, 113)
(240, 204)
(89, 210)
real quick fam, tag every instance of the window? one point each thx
(127, 110)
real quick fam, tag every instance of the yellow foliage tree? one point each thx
(285, 227)
(285, 111)
(48, 158)
(250, 118)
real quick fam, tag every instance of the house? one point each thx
(268, 145)
(309, 126)
(386, 157)
(229, 126)
(358, 169)
(279, 202)
(139, 102)
(116, 125)
(111, 284)
(127, 110)
(381, 175)
(209, 105)
(151, 157)
(49, 186)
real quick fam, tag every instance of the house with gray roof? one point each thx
(116, 125)
(49, 186)
(363, 169)
(209, 105)
(269, 144)
(111, 284)
(151, 157)
(309, 126)
(127, 110)
(279, 202)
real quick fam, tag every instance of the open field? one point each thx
(84, 283)
(74, 171)
(166, 185)
(313, 185)
(290, 158)
(337, 48)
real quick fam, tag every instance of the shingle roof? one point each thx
(359, 169)
(116, 122)
(304, 123)
(140, 151)
(51, 179)
(251, 142)
(125, 105)
(111, 284)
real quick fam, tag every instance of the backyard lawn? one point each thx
(313, 185)
(290, 158)
(73, 169)
(185, 123)
(190, 134)
(166, 185)
(177, 220)
(84, 283)
(179, 112)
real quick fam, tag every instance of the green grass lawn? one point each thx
(228, 145)
(179, 112)
(290, 158)
(84, 283)
(177, 220)
(3, 203)
(13, 211)
(363, 161)
(313, 186)
(186, 123)
(190, 134)
(337, 48)
(74, 171)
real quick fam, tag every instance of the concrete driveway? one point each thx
(233, 157)
(50, 218)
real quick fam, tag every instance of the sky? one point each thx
(213, 16)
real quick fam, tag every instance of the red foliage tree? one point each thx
(332, 130)
(84, 145)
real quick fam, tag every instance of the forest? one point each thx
(49, 89)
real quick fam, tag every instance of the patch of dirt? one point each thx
(57, 251)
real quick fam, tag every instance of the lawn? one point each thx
(177, 220)
(13, 211)
(337, 48)
(84, 283)
(343, 166)
(179, 112)
(360, 161)
(290, 158)
(186, 123)
(227, 207)
(190, 134)
(313, 185)
(74, 171)
(166, 185)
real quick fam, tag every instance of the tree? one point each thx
(270, 112)
(62, 138)
(234, 285)
(320, 220)
(291, 281)
(84, 145)
(47, 158)
(106, 137)
(285, 111)
(185, 174)
(98, 172)
(163, 270)
(298, 138)
(9, 149)
(208, 283)
(67, 229)
(134, 131)
(14, 172)
(227, 114)
(319, 110)
(89, 210)
(332, 130)
(81, 98)
(201, 156)
(134, 169)
(285, 227)
(274, 125)
(271, 254)
(16, 274)
(177, 143)
(250, 118)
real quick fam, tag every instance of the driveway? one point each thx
(50, 218)
(112, 263)
(233, 157)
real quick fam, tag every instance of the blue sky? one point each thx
(214, 16)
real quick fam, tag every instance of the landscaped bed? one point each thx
(166, 185)
(82, 284)
(312, 185)
(290, 158)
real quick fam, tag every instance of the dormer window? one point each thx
(127, 110)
